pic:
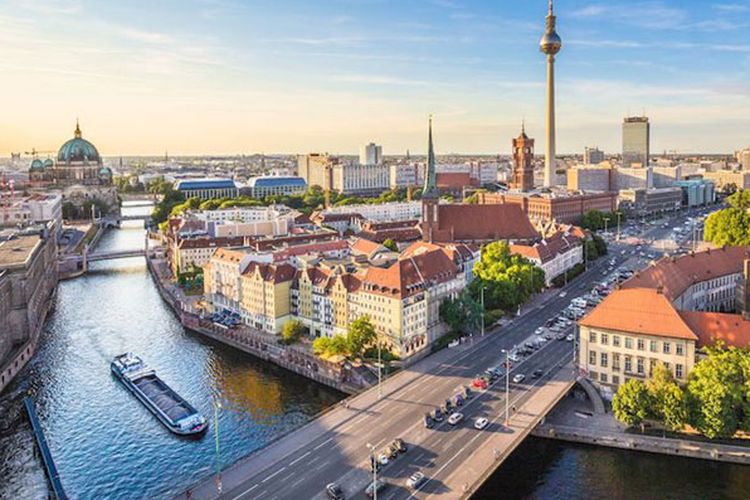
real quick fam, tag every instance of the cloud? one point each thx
(376, 80)
(50, 7)
(144, 36)
(642, 14)
(731, 7)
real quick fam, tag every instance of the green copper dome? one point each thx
(78, 150)
(37, 164)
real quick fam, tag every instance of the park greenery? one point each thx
(730, 226)
(292, 331)
(594, 220)
(462, 314)
(715, 401)
(508, 279)
(359, 338)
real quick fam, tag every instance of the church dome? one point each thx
(48, 163)
(78, 150)
(37, 164)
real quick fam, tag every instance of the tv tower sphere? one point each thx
(551, 43)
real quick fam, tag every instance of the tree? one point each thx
(509, 279)
(631, 403)
(390, 245)
(740, 199)
(717, 392)
(360, 335)
(292, 331)
(170, 198)
(601, 245)
(593, 220)
(730, 226)
(668, 403)
(321, 345)
(461, 314)
(339, 346)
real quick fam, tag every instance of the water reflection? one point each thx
(105, 443)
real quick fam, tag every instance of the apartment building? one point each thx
(555, 254)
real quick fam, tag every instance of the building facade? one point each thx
(555, 255)
(260, 187)
(590, 178)
(207, 188)
(644, 202)
(636, 142)
(371, 154)
(592, 156)
(523, 163)
(544, 209)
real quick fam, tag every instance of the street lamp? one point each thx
(482, 301)
(507, 383)
(374, 465)
(606, 219)
(619, 215)
(217, 407)
(380, 373)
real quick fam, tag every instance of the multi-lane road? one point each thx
(324, 453)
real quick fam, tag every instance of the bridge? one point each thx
(103, 255)
(146, 217)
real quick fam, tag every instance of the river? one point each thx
(108, 446)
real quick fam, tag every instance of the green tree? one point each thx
(508, 279)
(668, 402)
(321, 346)
(591, 250)
(170, 198)
(601, 245)
(730, 226)
(461, 314)
(717, 391)
(631, 403)
(360, 335)
(593, 220)
(292, 331)
(740, 199)
(390, 245)
(339, 346)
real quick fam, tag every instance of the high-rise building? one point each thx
(371, 154)
(593, 156)
(523, 162)
(550, 44)
(744, 158)
(636, 141)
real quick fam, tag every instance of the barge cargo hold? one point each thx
(168, 406)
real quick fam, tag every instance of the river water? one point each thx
(108, 446)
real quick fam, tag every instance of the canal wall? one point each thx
(664, 446)
(341, 376)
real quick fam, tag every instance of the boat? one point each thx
(169, 407)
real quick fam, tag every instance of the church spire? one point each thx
(430, 184)
(78, 130)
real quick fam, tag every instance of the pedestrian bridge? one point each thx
(104, 255)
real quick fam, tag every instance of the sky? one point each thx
(249, 76)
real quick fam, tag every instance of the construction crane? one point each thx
(36, 153)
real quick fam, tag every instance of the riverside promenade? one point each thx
(574, 421)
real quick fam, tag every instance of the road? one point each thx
(340, 454)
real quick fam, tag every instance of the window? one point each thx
(628, 364)
(616, 362)
(640, 366)
(605, 339)
(592, 337)
(678, 370)
(615, 340)
(667, 347)
(641, 344)
(628, 343)
(679, 349)
(604, 377)
(604, 360)
(652, 346)
(616, 379)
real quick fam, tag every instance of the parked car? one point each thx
(458, 400)
(400, 445)
(334, 491)
(481, 423)
(518, 378)
(569, 338)
(415, 480)
(455, 418)
(437, 415)
(537, 374)
(429, 423)
(383, 459)
(479, 383)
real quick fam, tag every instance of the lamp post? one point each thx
(217, 407)
(606, 220)
(482, 302)
(507, 383)
(374, 465)
(619, 215)
(380, 373)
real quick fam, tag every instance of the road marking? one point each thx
(298, 459)
(323, 443)
(274, 475)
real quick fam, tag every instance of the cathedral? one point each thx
(78, 173)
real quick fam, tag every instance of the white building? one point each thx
(554, 255)
(371, 154)
(382, 212)
(633, 178)
(33, 209)
(360, 179)
(403, 175)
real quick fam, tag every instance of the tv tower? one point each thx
(550, 45)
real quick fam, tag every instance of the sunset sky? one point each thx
(231, 76)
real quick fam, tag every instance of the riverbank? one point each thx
(574, 421)
(340, 376)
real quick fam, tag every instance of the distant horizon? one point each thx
(309, 76)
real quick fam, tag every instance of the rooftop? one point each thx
(16, 251)
(206, 183)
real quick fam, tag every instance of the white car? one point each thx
(569, 338)
(514, 357)
(518, 378)
(481, 423)
(455, 418)
(383, 459)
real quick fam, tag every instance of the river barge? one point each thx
(169, 407)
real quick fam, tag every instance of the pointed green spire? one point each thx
(430, 184)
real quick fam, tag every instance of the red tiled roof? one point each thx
(483, 223)
(676, 274)
(454, 180)
(397, 235)
(208, 242)
(549, 248)
(711, 327)
(411, 275)
(365, 246)
(639, 310)
(268, 272)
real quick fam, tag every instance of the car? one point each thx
(415, 480)
(391, 451)
(437, 415)
(334, 491)
(375, 487)
(569, 338)
(429, 423)
(458, 400)
(481, 423)
(479, 383)
(455, 418)
(518, 378)
(513, 357)
(561, 336)
(383, 459)
(448, 404)
(537, 374)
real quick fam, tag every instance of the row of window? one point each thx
(604, 359)
(653, 345)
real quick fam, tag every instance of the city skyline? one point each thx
(220, 77)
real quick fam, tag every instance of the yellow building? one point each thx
(221, 279)
(265, 296)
